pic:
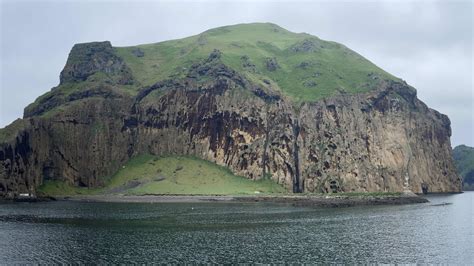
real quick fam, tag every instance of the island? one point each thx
(248, 112)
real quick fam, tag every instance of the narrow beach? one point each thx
(297, 200)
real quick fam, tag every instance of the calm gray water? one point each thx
(71, 232)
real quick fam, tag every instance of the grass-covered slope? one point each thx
(149, 174)
(11, 131)
(464, 161)
(301, 66)
(304, 67)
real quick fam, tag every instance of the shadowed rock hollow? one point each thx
(230, 102)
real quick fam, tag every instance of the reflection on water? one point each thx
(68, 232)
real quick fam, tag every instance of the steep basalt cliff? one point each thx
(101, 115)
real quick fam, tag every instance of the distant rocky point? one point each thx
(464, 160)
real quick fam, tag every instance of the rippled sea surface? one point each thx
(72, 232)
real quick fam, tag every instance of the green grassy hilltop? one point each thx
(303, 66)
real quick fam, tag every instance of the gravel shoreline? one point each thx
(296, 200)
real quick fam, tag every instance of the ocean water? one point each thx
(72, 232)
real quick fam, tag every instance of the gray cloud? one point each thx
(426, 43)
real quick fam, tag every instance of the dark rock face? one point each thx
(79, 145)
(87, 59)
(362, 142)
(369, 142)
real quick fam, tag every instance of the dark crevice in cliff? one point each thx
(265, 147)
(297, 188)
(69, 164)
(23, 147)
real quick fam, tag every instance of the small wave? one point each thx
(442, 204)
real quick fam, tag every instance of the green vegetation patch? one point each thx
(58, 99)
(61, 188)
(10, 132)
(183, 175)
(464, 160)
(173, 175)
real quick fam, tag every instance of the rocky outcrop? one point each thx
(87, 59)
(307, 46)
(79, 145)
(271, 64)
(350, 142)
(371, 141)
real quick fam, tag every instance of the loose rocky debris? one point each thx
(248, 65)
(138, 52)
(310, 83)
(271, 64)
(307, 46)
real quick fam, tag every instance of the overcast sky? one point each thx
(426, 43)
